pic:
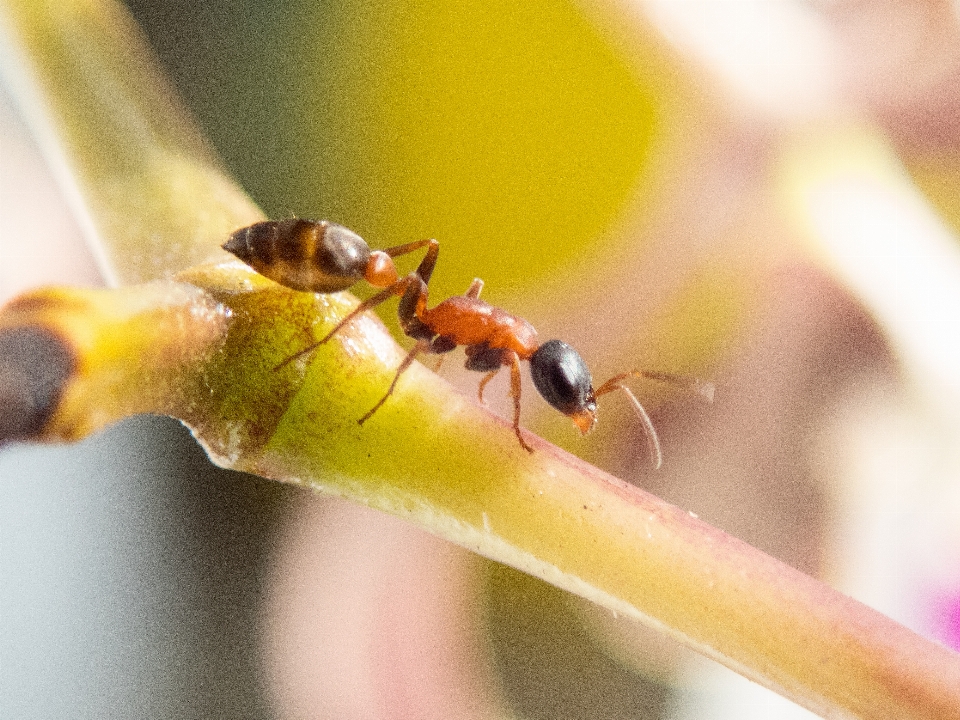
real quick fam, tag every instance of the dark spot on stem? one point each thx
(35, 365)
(40, 302)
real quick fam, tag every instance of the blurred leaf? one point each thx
(150, 194)
(515, 131)
(870, 226)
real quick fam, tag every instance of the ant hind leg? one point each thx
(368, 304)
(483, 383)
(421, 346)
(485, 359)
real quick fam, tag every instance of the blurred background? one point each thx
(761, 193)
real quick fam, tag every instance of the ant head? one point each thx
(563, 379)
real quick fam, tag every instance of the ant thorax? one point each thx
(469, 321)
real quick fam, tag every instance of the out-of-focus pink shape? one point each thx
(369, 617)
(953, 623)
(948, 619)
(40, 242)
(777, 57)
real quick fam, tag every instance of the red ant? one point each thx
(325, 257)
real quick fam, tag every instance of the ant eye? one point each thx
(562, 378)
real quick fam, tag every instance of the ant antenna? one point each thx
(704, 389)
(649, 432)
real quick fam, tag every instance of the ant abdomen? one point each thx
(313, 256)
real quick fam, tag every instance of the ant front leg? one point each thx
(411, 308)
(415, 294)
(399, 250)
(409, 312)
(400, 287)
(515, 393)
(415, 279)
(425, 269)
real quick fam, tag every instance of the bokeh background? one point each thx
(717, 188)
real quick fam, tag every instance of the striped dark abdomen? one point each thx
(310, 256)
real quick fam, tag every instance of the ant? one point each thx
(325, 257)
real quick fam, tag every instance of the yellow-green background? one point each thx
(513, 132)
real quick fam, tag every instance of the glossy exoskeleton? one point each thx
(325, 257)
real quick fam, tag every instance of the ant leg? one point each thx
(399, 250)
(485, 359)
(372, 302)
(685, 382)
(425, 268)
(441, 345)
(474, 290)
(649, 432)
(483, 383)
(515, 393)
(421, 346)
(411, 308)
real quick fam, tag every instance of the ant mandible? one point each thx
(325, 257)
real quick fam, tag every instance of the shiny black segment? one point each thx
(342, 252)
(562, 378)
